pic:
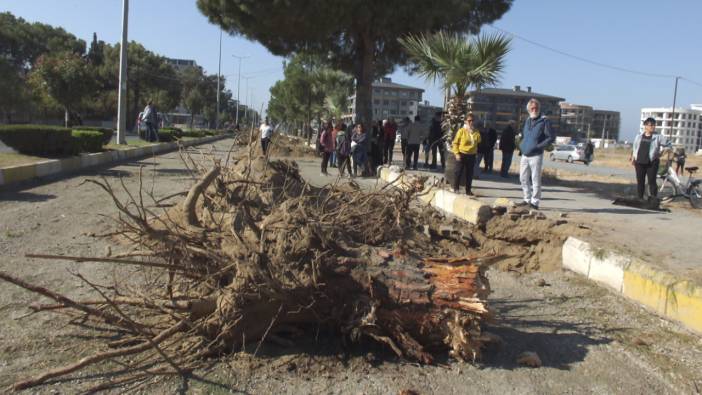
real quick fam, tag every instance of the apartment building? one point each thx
(496, 106)
(390, 99)
(684, 130)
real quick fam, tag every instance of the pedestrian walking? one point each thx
(645, 156)
(150, 119)
(389, 135)
(507, 146)
(266, 134)
(343, 151)
(327, 142)
(465, 147)
(403, 137)
(415, 135)
(490, 149)
(436, 141)
(536, 136)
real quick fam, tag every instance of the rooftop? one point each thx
(387, 83)
(516, 92)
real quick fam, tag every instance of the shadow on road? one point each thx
(18, 196)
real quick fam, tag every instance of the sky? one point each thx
(643, 35)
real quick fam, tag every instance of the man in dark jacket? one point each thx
(507, 146)
(436, 141)
(490, 149)
(536, 136)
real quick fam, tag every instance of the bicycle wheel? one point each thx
(695, 194)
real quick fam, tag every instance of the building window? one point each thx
(403, 93)
(376, 101)
(386, 102)
(403, 103)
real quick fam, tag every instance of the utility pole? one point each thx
(672, 116)
(122, 95)
(219, 77)
(238, 86)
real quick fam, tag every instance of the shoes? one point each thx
(522, 204)
(469, 193)
(534, 206)
(455, 190)
(414, 168)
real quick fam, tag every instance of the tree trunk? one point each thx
(364, 82)
(66, 117)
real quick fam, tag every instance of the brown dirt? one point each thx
(290, 147)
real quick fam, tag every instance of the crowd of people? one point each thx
(356, 151)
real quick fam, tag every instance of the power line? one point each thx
(582, 59)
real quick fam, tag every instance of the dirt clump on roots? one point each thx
(283, 146)
(252, 252)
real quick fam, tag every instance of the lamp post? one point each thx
(122, 95)
(238, 86)
(219, 77)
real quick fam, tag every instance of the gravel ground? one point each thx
(589, 339)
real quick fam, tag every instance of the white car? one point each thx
(568, 153)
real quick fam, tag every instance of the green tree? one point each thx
(358, 37)
(64, 78)
(459, 63)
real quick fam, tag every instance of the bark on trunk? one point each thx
(364, 81)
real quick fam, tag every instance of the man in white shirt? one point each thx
(266, 133)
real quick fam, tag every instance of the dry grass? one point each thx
(619, 158)
(13, 159)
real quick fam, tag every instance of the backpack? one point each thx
(343, 145)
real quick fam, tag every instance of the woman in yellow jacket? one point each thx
(464, 147)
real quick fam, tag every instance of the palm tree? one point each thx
(459, 63)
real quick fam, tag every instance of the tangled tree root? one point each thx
(252, 250)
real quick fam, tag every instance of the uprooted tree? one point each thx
(253, 250)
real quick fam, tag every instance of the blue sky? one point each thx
(646, 35)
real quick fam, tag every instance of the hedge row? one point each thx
(43, 140)
(106, 132)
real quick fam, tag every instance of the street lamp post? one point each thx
(122, 95)
(238, 86)
(219, 77)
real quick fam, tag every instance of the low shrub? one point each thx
(106, 132)
(38, 140)
(87, 141)
(193, 133)
(166, 136)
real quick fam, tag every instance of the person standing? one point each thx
(403, 137)
(536, 136)
(482, 149)
(645, 156)
(415, 136)
(436, 141)
(266, 134)
(465, 147)
(326, 140)
(343, 151)
(589, 151)
(360, 149)
(150, 118)
(507, 146)
(680, 157)
(389, 135)
(490, 149)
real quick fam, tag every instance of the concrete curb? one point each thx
(13, 174)
(667, 295)
(460, 206)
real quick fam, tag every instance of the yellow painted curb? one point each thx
(471, 210)
(685, 304)
(19, 173)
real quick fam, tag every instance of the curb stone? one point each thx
(13, 174)
(669, 296)
(460, 206)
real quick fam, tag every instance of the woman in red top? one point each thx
(327, 142)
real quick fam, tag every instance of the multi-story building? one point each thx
(390, 99)
(496, 107)
(605, 124)
(581, 121)
(576, 119)
(180, 64)
(685, 130)
(426, 112)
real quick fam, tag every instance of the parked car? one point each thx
(568, 153)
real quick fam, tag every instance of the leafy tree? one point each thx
(63, 78)
(96, 55)
(459, 63)
(358, 37)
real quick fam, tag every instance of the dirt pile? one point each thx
(254, 252)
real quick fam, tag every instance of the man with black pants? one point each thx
(415, 136)
(507, 146)
(645, 156)
(436, 141)
(490, 149)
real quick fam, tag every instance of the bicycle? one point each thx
(691, 191)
